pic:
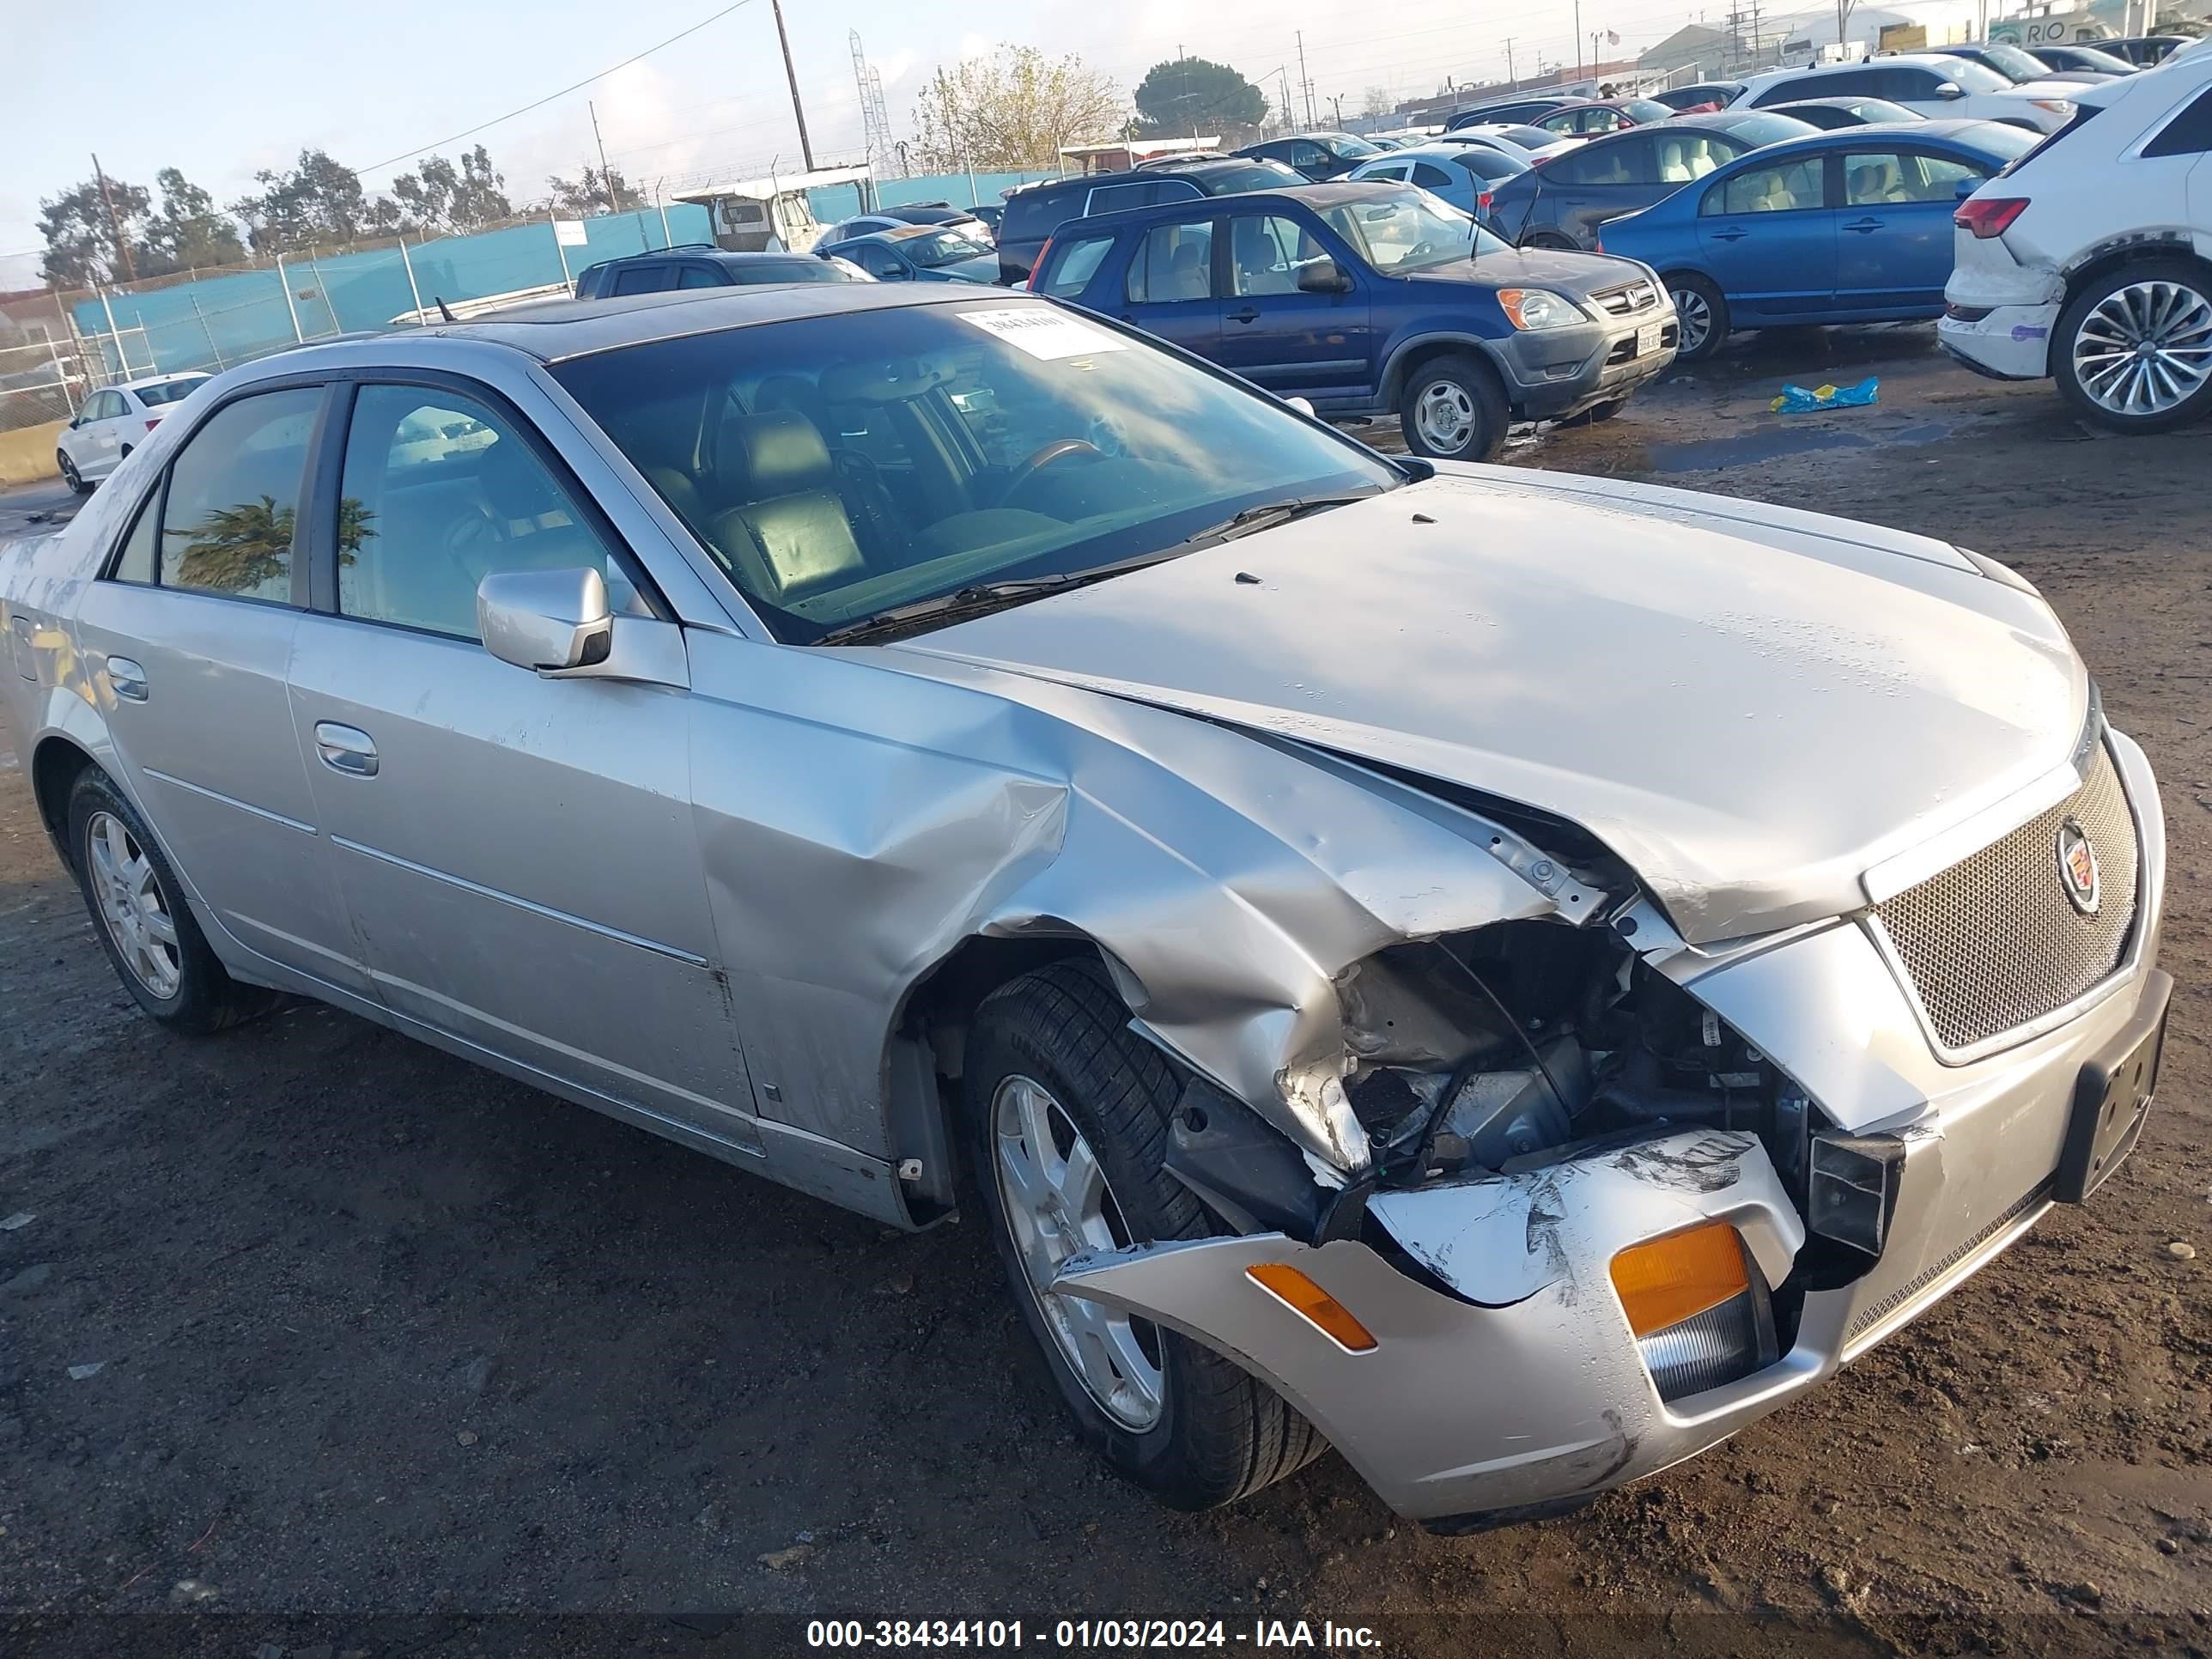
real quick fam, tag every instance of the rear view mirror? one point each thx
(546, 620)
(1949, 89)
(1321, 277)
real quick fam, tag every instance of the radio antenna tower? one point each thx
(875, 125)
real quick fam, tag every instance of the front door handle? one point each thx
(1249, 314)
(1864, 225)
(128, 679)
(346, 749)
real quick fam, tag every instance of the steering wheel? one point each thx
(1058, 450)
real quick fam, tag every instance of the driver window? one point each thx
(438, 493)
(1263, 254)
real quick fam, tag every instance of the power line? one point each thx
(410, 155)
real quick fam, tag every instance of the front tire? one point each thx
(1454, 410)
(2133, 350)
(70, 476)
(1068, 1114)
(139, 910)
(1701, 316)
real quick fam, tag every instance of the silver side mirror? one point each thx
(546, 620)
(1949, 89)
(1302, 405)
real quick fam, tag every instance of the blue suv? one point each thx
(1372, 298)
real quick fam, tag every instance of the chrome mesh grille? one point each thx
(1993, 943)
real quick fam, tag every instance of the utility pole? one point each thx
(115, 225)
(805, 144)
(1290, 115)
(1512, 80)
(1305, 80)
(1336, 102)
(1578, 40)
(607, 179)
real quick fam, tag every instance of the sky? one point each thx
(222, 88)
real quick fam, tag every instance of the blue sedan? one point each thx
(1847, 227)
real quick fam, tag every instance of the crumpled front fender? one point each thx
(1525, 1386)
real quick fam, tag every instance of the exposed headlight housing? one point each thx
(1699, 1306)
(1537, 308)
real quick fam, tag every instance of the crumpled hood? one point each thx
(1576, 275)
(1751, 705)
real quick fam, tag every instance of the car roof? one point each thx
(695, 251)
(161, 379)
(562, 329)
(1957, 132)
(1317, 197)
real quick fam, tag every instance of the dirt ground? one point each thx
(396, 1356)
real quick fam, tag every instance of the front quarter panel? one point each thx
(862, 811)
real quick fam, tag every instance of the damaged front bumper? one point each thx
(1504, 1379)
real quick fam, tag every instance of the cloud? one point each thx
(892, 69)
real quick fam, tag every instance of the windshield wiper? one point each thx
(1267, 515)
(978, 597)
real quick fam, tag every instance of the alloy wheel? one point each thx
(2145, 349)
(1057, 1204)
(132, 906)
(1693, 321)
(1445, 415)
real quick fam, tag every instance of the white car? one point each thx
(2089, 259)
(1461, 174)
(114, 422)
(1927, 84)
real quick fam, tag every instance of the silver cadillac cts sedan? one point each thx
(1515, 977)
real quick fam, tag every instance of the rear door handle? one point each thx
(1249, 314)
(1863, 225)
(128, 679)
(346, 749)
(1730, 235)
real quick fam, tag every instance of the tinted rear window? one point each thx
(1032, 214)
(166, 391)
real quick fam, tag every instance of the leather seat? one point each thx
(787, 536)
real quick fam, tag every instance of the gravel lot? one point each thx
(393, 1353)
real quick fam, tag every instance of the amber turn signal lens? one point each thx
(1679, 1277)
(1313, 1304)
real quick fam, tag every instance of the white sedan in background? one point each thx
(114, 422)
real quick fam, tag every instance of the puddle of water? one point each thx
(1773, 443)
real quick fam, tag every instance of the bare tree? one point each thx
(1377, 101)
(1013, 109)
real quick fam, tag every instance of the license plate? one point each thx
(2111, 1096)
(1647, 339)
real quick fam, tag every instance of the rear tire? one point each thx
(2133, 350)
(1701, 316)
(139, 912)
(1453, 409)
(70, 476)
(1052, 1056)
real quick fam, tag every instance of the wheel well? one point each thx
(929, 1050)
(55, 765)
(2129, 253)
(1417, 358)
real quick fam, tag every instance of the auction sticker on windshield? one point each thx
(1042, 332)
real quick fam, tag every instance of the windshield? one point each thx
(836, 467)
(1257, 175)
(168, 391)
(2089, 58)
(1977, 77)
(1345, 147)
(2016, 65)
(941, 247)
(1761, 129)
(1409, 230)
